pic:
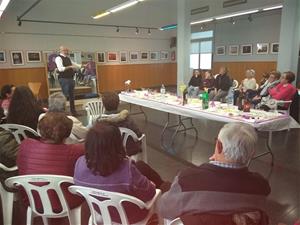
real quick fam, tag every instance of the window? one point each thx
(201, 50)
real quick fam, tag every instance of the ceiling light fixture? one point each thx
(250, 19)
(202, 21)
(149, 31)
(237, 14)
(118, 29)
(117, 8)
(137, 31)
(168, 27)
(273, 7)
(232, 21)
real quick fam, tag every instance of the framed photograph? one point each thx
(262, 48)
(220, 50)
(134, 56)
(17, 58)
(154, 55)
(173, 56)
(100, 57)
(233, 50)
(112, 57)
(123, 56)
(33, 56)
(246, 49)
(2, 56)
(144, 55)
(164, 55)
(274, 48)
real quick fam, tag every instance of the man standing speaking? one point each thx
(66, 71)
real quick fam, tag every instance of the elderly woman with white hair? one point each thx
(57, 103)
(249, 83)
(223, 188)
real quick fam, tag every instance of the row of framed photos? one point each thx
(247, 49)
(124, 56)
(17, 57)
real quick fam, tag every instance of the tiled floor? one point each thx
(284, 177)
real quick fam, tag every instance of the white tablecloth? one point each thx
(270, 121)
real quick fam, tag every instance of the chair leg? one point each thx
(29, 216)
(7, 199)
(75, 216)
(90, 221)
(45, 220)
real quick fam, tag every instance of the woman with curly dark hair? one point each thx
(24, 108)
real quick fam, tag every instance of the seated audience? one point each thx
(24, 108)
(249, 83)
(6, 95)
(57, 103)
(265, 77)
(209, 80)
(284, 91)
(50, 155)
(195, 84)
(106, 167)
(222, 85)
(112, 115)
(207, 189)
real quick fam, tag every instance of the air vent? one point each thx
(230, 3)
(200, 10)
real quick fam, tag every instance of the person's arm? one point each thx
(78, 130)
(283, 93)
(272, 91)
(141, 187)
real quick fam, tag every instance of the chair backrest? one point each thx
(235, 84)
(126, 133)
(99, 201)
(35, 87)
(42, 185)
(19, 131)
(94, 110)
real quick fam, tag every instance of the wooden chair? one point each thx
(35, 88)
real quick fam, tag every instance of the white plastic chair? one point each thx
(176, 221)
(115, 200)
(94, 111)
(51, 182)
(126, 133)
(235, 84)
(7, 198)
(19, 131)
(280, 102)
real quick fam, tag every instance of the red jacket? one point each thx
(37, 157)
(283, 92)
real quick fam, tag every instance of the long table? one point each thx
(260, 120)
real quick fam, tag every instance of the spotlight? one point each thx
(19, 23)
(250, 19)
(137, 31)
(118, 29)
(232, 21)
(149, 31)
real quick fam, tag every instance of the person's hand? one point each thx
(212, 158)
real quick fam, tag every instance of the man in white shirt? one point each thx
(66, 73)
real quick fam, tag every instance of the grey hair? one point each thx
(251, 71)
(57, 102)
(238, 141)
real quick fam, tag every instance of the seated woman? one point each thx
(57, 103)
(6, 95)
(195, 84)
(106, 167)
(209, 80)
(24, 108)
(112, 115)
(284, 91)
(249, 83)
(50, 155)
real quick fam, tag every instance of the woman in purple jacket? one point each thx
(106, 167)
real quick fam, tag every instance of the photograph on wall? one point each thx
(144, 55)
(123, 56)
(100, 57)
(220, 50)
(164, 55)
(262, 48)
(173, 56)
(246, 49)
(233, 49)
(274, 48)
(154, 55)
(33, 56)
(2, 57)
(87, 56)
(134, 56)
(112, 56)
(17, 58)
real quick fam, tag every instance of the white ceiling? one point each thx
(150, 13)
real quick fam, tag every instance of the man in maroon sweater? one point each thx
(222, 186)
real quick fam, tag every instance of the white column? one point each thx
(183, 42)
(289, 42)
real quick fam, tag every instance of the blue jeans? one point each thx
(67, 87)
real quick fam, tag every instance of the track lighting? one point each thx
(250, 19)
(232, 21)
(137, 31)
(149, 31)
(118, 29)
(19, 23)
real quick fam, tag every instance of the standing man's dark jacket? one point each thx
(223, 82)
